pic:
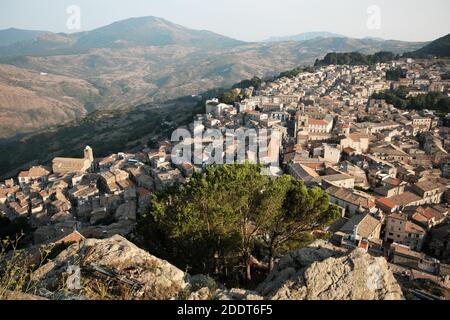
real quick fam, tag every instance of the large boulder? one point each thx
(126, 270)
(324, 272)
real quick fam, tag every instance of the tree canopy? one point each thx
(394, 74)
(356, 58)
(431, 100)
(220, 221)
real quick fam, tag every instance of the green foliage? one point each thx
(432, 100)
(394, 74)
(230, 97)
(152, 143)
(289, 209)
(440, 48)
(296, 71)
(254, 82)
(212, 223)
(356, 58)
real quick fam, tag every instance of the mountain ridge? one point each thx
(13, 35)
(439, 47)
(138, 31)
(142, 60)
(304, 36)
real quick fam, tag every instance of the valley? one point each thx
(152, 62)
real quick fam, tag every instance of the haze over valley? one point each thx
(48, 79)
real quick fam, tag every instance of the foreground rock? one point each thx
(123, 270)
(324, 272)
(115, 268)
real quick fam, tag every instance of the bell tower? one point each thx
(89, 154)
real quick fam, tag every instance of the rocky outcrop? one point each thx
(128, 271)
(320, 272)
(324, 272)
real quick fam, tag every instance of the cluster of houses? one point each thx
(387, 169)
(95, 198)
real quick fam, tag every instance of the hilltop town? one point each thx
(387, 168)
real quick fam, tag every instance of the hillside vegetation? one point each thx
(222, 221)
(138, 61)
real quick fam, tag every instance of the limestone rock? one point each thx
(324, 272)
(120, 261)
(295, 263)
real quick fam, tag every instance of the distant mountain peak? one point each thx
(151, 31)
(131, 32)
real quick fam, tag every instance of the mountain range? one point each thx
(305, 36)
(52, 78)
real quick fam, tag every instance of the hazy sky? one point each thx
(250, 20)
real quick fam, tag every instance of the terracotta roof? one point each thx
(187, 165)
(364, 245)
(349, 150)
(337, 177)
(37, 172)
(428, 185)
(24, 174)
(386, 202)
(68, 164)
(143, 192)
(357, 136)
(365, 223)
(396, 248)
(393, 181)
(398, 216)
(350, 197)
(317, 122)
(411, 227)
(405, 198)
(75, 236)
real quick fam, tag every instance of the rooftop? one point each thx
(350, 196)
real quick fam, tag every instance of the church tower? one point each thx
(89, 154)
